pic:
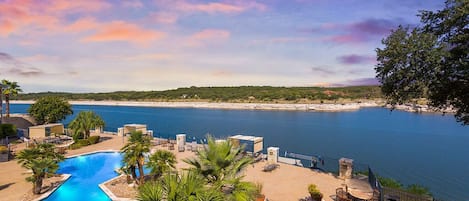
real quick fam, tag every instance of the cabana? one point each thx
(46, 130)
(128, 128)
(251, 144)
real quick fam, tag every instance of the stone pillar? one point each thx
(272, 154)
(345, 168)
(181, 141)
(120, 131)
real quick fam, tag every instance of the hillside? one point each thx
(226, 94)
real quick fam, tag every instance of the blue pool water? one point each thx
(428, 149)
(87, 171)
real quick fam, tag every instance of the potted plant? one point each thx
(316, 195)
(259, 195)
(3, 154)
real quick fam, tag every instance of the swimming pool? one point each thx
(88, 171)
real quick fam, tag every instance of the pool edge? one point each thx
(46, 195)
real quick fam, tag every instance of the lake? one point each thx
(427, 149)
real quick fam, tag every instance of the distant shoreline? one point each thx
(230, 106)
(325, 107)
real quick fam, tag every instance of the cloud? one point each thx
(124, 31)
(357, 32)
(83, 6)
(283, 40)
(208, 36)
(356, 59)
(26, 72)
(232, 7)
(156, 56)
(164, 17)
(31, 17)
(322, 70)
(82, 24)
(17, 67)
(132, 4)
(222, 73)
(361, 82)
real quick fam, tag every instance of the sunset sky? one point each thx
(101, 46)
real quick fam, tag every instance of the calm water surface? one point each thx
(428, 149)
(87, 171)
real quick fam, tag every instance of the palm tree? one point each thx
(11, 89)
(84, 122)
(173, 187)
(134, 151)
(41, 160)
(221, 164)
(160, 162)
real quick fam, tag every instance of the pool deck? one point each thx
(287, 182)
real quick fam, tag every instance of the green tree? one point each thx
(84, 122)
(41, 160)
(134, 154)
(160, 162)
(50, 110)
(430, 61)
(221, 164)
(10, 89)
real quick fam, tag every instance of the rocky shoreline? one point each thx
(258, 106)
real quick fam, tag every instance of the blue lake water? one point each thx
(428, 149)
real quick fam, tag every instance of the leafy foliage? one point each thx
(84, 122)
(314, 192)
(226, 94)
(220, 164)
(431, 61)
(160, 162)
(94, 139)
(41, 160)
(50, 110)
(7, 130)
(134, 151)
(418, 189)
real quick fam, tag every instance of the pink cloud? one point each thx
(82, 24)
(82, 6)
(208, 36)
(211, 34)
(6, 28)
(164, 17)
(123, 31)
(228, 7)
(132, 4)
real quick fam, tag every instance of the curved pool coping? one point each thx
(67, 176)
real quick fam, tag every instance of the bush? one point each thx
(75, 146)
(93, 139)
(314, 192)
(7, 130)
(3, 150)
(83, 142)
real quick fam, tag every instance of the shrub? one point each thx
(3, 150)
(7, 130)
(75, 146)
(93, 139)
(314, 192)
(83, 142)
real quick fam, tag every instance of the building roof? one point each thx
(47, 125)
(247, 138)
(135, 125)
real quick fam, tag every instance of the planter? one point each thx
(260, 198)
(4, 157)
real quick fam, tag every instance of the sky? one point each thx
(103, 46)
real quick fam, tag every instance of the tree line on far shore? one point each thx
(225, 94)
